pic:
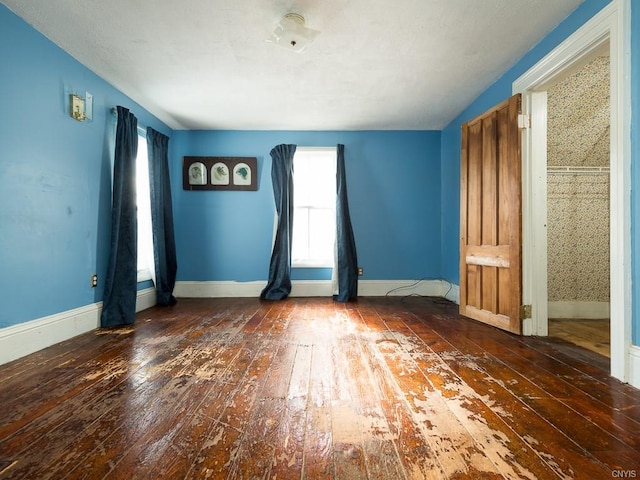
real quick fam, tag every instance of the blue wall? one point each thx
(394, 195)
(55, 180)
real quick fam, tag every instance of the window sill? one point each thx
(311, 264)
(144, 275)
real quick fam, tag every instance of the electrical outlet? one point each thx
(360, 271)
(94, 280)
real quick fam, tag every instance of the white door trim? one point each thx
(611, 24)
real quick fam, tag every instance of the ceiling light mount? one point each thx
(291, 33)
(295, 17)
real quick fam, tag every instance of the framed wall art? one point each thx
(220, 173)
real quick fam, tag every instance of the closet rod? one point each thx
(572, 170)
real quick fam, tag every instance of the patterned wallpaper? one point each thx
(578, 201)
(578, 117)
(578, 235)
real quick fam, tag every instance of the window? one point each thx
(146, 266)
(314, 199)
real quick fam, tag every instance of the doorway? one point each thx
(608, 27)
(578, 244)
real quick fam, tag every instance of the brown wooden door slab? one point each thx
(490, 217)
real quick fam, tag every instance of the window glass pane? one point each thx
(322, 233)
(314, 202)
(314, 177)
(300, 246)
(143, 201)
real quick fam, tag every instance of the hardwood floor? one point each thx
(385, 388)
(590, 334)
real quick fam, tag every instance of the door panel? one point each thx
(490, 217)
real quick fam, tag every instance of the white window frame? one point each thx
(322, 153)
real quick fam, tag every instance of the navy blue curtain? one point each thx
(164, 243)
(121, 282)
(279, 284)
(347, 261)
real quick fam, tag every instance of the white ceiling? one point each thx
(376, 65)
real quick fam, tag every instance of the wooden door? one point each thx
(491, 219)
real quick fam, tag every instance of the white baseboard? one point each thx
(25, 338)
(29, 337)
(592, 310)
(400, 288)
(452, 292)
(634, 366)
(212, 289)
(311, 288)
(315, 288)
(146, 299)
(217, 289)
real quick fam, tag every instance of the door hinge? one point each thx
(524, 120)
(525, 311)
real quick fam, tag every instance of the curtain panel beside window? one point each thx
(345, 272)
(279, 283)
(119, 303)
(164, 244)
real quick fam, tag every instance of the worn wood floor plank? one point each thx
(476, 359)
(207, 429)
(226, 443)
(588, 333)
(318, 441)
(385, 388)
(480, 416)
(289, 441)
(580, 398)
